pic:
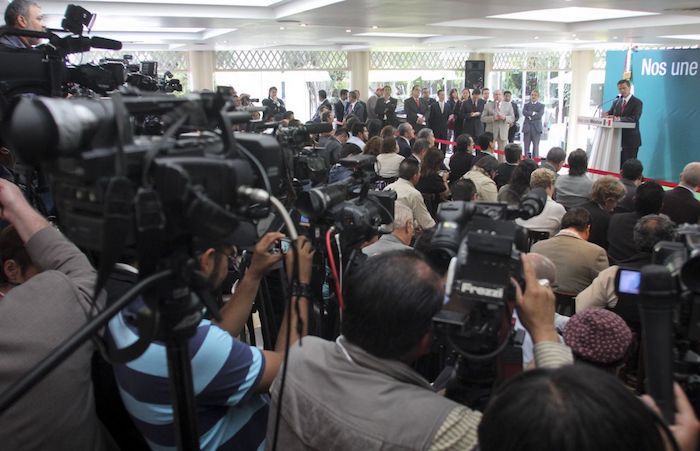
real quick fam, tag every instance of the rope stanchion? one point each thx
(591, 170)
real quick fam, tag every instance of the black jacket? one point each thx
(631, 113)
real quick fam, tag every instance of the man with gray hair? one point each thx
(26, 15)
(680, 203)
(648, 231)
(400, 238)
(406, 134)
(427, 134)
(498, 117)
(555, 160)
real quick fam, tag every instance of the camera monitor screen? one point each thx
(629, 281)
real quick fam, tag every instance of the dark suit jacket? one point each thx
(503, 173)
(273, 108)
(532, 117)
(455, 106)
(600, 220)
(472, 125)
(386, 111)
(681, 206)
(359, 110)
(412, 110)
(631, 113)
(620, 236)
(438, 119)
(317, 117)
(404, 147)
(516, 112)
(339, 110)
(460, 164)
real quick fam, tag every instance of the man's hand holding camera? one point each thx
(536, 306)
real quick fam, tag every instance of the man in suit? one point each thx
(415, 109)
(471, 111)
(680, 203)
(275, 105)
(440, 112)
(385, 109)
(406, 134)
(372, 103)
(401, 236)
(325, 103)
(498, 117)
(627, 108)
(339, 106)
(356, 107)
(532, 124)
(631, 176)
(508, 97)
(578, 262)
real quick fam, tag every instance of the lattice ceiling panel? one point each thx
(281, 60)
(418, 60)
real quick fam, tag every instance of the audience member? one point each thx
(462, 157)
(406, 192)
(427, 134)
(580, 408)
(680, 203)
(631, 177)
(406, 135)
(25, 15)
(374, 127)
(498, 117)
(373, 146)
(325, 104)
(598, 337)
(470, 111)
(464, 190)
(440, 112)
(482, 174)
(356, 107)
(578, 262)
(389, 304)
(359, 135)
(486, 145)
(339, 172)
(420, 148)
(605, 194)
(274, 105)
(513, 129)
(519, 183)
(648, 200)
(50, 301)
(433, 182)
(372, 104)
(339, 106)
(505, 169)
(416, 110)
(389, 160)
(400, 237)
(386, 108)
(230, 375)
(648, 231)
(388, 131)
(555, 160)
(454, 104)
(574, 189)
(333, 144)
(533, 111)
(550, 220)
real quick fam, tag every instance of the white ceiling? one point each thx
(385, 24)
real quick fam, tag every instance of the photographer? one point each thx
(230, 377)
(47, 308)
(360, 392)
(25, 15)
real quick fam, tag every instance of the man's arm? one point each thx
(236, 311)
(632, 112)
(510, 117)
(487, 116)
(420, 212)
(274, 359)
(600, 293)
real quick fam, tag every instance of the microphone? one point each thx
(657, 296)
(97, 42)
(597, 108)
(317, 128)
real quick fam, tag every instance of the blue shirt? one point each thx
(225, 373)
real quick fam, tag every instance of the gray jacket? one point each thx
(59, 413)
(339, 397)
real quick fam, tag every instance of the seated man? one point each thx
(648, 199)
(407, 193)
(578, 262)
(648, 231)
(400, 237)
(36, 316)
(605, 194)
(631, 177)
(550, 219)
(482, 174)
(230, 377)
(359, 392)
(598, 337)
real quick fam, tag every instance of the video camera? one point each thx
(482, 245)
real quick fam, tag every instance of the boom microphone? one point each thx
(97, 42)
(657, 295)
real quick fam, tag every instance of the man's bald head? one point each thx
(544, 268)
(691, 175)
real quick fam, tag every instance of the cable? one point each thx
(334, 270)
(340, 260)
(483, 357)
(293, 235)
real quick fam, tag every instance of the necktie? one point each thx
(498, 107)
(442, 107)
(624, 104)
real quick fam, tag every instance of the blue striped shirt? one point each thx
(231, 416)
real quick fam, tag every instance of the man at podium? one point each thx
(627, 108)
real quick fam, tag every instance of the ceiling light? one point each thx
(281, 28)
(537, 37)
(573, 35)
(614, 37)
(397, 35)
(348, 30)
(374, 27)
(303, 25)
(572, 14)
(687, 37)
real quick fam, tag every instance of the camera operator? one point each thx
(45, 309)
(230, 377)
(26, 15)
(360, 392)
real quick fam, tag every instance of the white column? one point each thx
(581, 66)
(202, 68)
(359, 72)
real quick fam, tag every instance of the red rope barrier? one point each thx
(591, 170)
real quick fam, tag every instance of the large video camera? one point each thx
(482, 244)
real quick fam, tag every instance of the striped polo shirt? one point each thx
(225, 373)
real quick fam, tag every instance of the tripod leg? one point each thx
(182, 392)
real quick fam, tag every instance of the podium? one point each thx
(607, 142)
